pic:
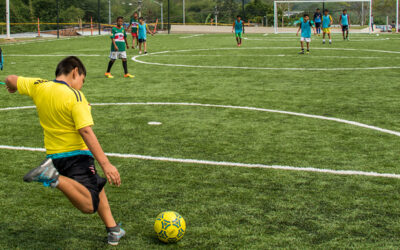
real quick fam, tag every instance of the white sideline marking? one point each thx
(135, 58)
(234, 164)
(228, 164)
(184, 37)
(49, 55)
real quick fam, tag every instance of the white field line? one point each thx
(230, 55)
(289, 39)
(15, 55)
(227, 164)
(135, 58)
(358, 124)
(184, 37)
(387, 131)
(234, 164)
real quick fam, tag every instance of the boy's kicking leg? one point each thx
(330, 40)
(108, 73)
(79, 195)
(323, 37)
(308, 47)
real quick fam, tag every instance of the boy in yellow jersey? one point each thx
(119, 44)
(71, 145)
(326, 26)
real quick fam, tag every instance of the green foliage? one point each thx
(72, 14)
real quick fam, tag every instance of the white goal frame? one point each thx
(317, 1)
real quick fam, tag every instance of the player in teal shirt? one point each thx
(326, 26)
(142, 35)
(305, 27)
(119, 45)
(238, 26)
(344, 21)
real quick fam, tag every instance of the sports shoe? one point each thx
(128, 76)
(115, 234)
(108, 75)
(308, 52)
(140, 52)
(46, 173)
(323, 42)
(145, 52)
(301, 52)
(330, 42)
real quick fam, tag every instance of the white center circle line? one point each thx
(136, 59)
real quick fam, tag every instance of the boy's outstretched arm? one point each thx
(93, 144)
(11, 83)
(148, 30)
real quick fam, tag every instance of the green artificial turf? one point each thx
(225, 207)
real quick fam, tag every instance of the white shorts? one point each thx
(307, 39)
(114, 55)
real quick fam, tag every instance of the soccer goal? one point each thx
(287, 13)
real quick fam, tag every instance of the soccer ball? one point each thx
(170, 227)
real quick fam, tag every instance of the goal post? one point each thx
(276, 2)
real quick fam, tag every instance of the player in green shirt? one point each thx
(118, 48)
(133, 24)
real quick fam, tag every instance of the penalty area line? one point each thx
(227, 164)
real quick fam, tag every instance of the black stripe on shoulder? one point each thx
(76, 95)
(80, 96)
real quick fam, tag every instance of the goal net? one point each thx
(288, 13)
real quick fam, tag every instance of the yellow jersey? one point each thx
(62, 112)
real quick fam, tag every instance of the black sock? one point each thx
(113, 229)
(110, 64)
(125, 64)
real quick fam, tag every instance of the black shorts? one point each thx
(317, 25)
(81, 169)
(141, 40)
(345, 28)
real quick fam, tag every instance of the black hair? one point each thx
(344, 10)
(306, 15)
(326, 10)
(68, 64)
(238, 16)
(120, 17)
(141, 18)
(318, 9)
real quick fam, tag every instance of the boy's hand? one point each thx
(112, 174)
(11, 90)
(297, 34)
(127, 46)
(116, 48)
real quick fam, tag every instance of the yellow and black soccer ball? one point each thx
(170, 227)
